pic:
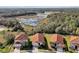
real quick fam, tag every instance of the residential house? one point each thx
(74, 42)
(57, 42)
(38, 38)
(20, 40)
(37, 41)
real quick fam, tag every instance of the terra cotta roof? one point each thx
(21, 36)
(38, 37)
(76, 41)
(56, 38)
(73, 37)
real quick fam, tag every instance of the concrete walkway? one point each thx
(16, 50)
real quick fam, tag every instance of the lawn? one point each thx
(67, 38)
(47, 36)
(7, 49)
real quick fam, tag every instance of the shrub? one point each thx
(9, 39)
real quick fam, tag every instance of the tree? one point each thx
(9, 39)
(62, 23)
(26, 45)
(58, 29)
(77, 31)
(18, 27)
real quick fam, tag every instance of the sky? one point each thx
(39, 3)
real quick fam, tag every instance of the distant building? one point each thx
(42, 15)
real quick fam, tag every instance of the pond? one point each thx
(29, 21)
(32, 21)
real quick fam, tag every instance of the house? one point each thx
(20, 39)
(74, 43)
(57, 42)
(56, 38)
(38, 38)
(37, 41)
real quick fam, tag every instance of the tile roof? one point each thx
(21, 36)
(38, 37)
(73, 37)
(76, 41)
(56, 38)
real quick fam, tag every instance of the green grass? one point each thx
(67, 38)
(7, 49)
(2, 32)
(68, 43)
(47, 36)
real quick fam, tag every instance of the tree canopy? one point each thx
(61, 23)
